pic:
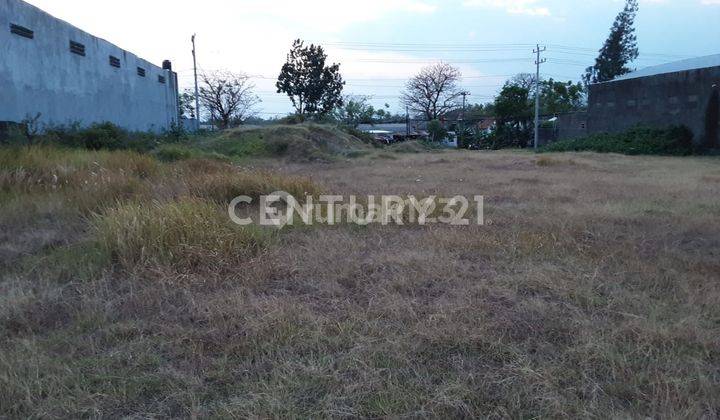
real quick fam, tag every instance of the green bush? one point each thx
(437, 131)
(103, 136)
(676, 140)
(99, 136)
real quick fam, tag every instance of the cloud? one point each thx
(516, 7)
(710, 2)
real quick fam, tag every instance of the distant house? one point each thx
(680, 93)
(487, 125)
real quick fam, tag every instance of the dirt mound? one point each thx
(300, 143)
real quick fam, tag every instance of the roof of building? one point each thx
(683, 65)
(487, 123)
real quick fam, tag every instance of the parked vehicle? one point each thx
(381, 136)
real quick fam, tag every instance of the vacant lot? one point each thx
(593, 290)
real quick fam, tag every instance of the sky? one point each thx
(380, 43)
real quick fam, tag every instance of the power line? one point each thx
(446, 60)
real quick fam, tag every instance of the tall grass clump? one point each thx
(184, 233)
(179, 152)
(222, 182)
(51, 168)
(86, 180)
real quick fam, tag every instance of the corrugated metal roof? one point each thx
(683, 65)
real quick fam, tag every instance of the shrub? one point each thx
(186, 233)
(676, 140)
(99, 136)
(103, 136)
(436, 130)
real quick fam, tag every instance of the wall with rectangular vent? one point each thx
(69, 76)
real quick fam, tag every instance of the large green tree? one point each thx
(356, 110)
(561, 97)
(619, 50)
(314, 87)
(513, 109)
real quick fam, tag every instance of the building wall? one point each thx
(682, 98)
(41, 75)
(572, 125)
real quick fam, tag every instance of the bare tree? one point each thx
(525, 81)
(434, 91)
(228, 97)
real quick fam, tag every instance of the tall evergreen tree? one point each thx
(619, 50)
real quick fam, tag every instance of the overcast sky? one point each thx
(381, 42)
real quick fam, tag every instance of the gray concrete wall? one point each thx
(681, 98)
(41, 75)
(572, 125)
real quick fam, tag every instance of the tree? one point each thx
(186, 101)
(355, 111)
(228, 97)
(314, 88)
(561, 97)
(434, 91)
(525, 81)
(619, 50)
(514, 110)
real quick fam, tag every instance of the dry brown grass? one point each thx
(185, 234)
(222, 182)
(591, 292)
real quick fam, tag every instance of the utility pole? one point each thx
(197, 100)
(407, 122)
(538, 61)
(462, 120)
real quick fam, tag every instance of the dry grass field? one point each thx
(593, 290)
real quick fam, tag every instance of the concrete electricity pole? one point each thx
(197, 94)
(538, 61)
(407, 122)
(462, 121)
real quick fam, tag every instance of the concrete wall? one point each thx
(682, 98)
(42, 75)
(572, 125)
